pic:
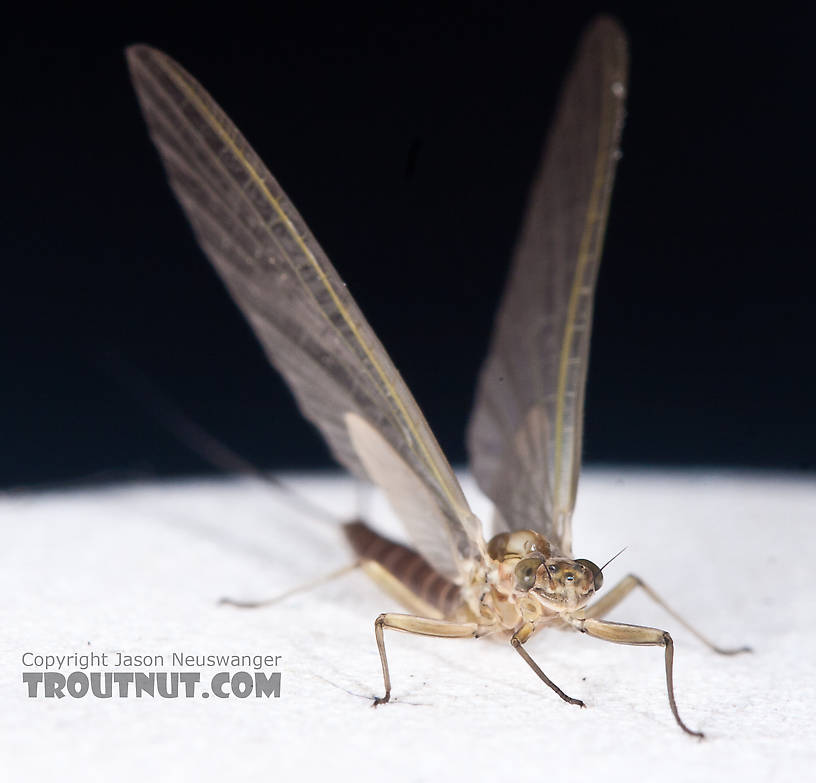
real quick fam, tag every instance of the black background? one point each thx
(406, 135)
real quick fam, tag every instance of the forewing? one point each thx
(310, 327)
(524, 437)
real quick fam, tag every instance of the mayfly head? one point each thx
(567, 584)
(527, 564)
(572, 582)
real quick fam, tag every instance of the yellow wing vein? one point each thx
(282, 250)
(390, 391)
(594, 219)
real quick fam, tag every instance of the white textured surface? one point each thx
(139, 569)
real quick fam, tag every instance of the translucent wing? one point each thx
(524, 437)
(310, 327)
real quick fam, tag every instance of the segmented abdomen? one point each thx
(405, 565)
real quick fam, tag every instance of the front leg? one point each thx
(424, 626)
(642, 636)
(517, 640)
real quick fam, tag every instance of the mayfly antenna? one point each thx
(612, 558)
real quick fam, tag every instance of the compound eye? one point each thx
(526, 570)
(597, 574)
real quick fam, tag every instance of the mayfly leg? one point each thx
(640, 635)
(299, 589)
(423, 626)
(588, 622)
(517, 641)
(606, 604)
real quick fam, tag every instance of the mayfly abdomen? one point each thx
(421, 584)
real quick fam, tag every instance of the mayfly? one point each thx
(524, 437)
